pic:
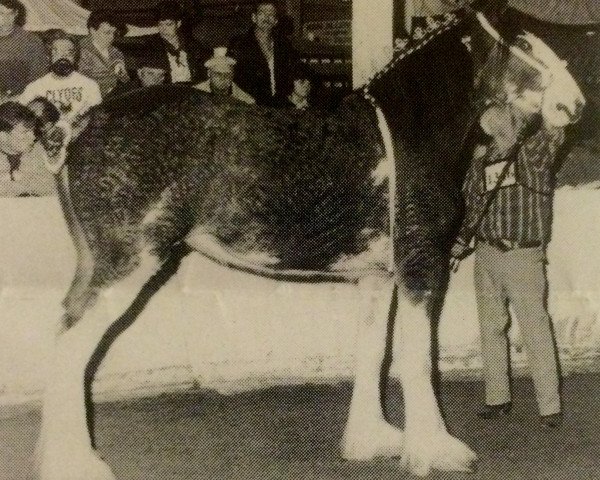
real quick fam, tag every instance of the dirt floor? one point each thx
(293, 433)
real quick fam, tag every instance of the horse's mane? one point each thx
(409, 47)
(426, 84)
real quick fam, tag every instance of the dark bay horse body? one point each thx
(289, 195)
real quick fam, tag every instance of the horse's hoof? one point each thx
(371, 441)
(84, 466)
(454, 455)
(437, 451)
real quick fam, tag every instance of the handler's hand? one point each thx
(454, 264)
(458, 251)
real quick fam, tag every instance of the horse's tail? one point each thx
(56, 142)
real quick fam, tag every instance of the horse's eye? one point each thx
(523, 44)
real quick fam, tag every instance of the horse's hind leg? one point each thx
(66, 451)
(428, 445)
(367, 434)
(79, 293)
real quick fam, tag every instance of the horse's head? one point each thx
(525, 72)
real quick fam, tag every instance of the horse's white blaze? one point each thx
(562, 89)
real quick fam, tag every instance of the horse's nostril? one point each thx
(574, 113)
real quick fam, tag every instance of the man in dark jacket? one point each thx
(265, 59)
(180, 59)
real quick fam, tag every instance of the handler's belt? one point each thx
(505, 245)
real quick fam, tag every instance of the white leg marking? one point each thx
(367, 434)
(64, 449)
(428, 445)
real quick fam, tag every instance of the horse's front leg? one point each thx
(427, 444)
(367, 434)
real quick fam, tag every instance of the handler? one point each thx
(511, 230)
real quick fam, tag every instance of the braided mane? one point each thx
(408, 47)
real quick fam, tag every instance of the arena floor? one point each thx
(293, 433)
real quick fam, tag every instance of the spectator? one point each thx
(220, 77)
(302, 84)
(264, 58)
(512, 229)
(100, 60)
(72, 93)
(23, 58)
(17, 136)
(46, 113)
(181, 61)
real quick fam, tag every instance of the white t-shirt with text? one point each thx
(73, 95)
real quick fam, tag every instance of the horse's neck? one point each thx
(356, 111)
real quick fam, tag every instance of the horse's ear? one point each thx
(482, 42)
(492, 9)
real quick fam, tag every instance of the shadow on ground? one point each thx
(293, 433)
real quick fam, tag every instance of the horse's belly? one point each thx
(373, 259)
(377, 255)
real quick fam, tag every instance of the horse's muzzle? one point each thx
(573, 114)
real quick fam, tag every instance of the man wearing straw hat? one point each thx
(220, 77)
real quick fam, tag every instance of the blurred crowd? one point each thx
(58, 77)
(74, 74)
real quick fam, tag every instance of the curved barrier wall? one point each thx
(216, 328)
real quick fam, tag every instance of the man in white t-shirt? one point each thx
(72, 93)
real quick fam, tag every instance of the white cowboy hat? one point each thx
(220, 62)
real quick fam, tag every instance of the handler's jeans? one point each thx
(517, 276)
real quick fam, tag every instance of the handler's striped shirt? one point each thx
(521, 212)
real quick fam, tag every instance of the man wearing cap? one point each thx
(220, 77)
